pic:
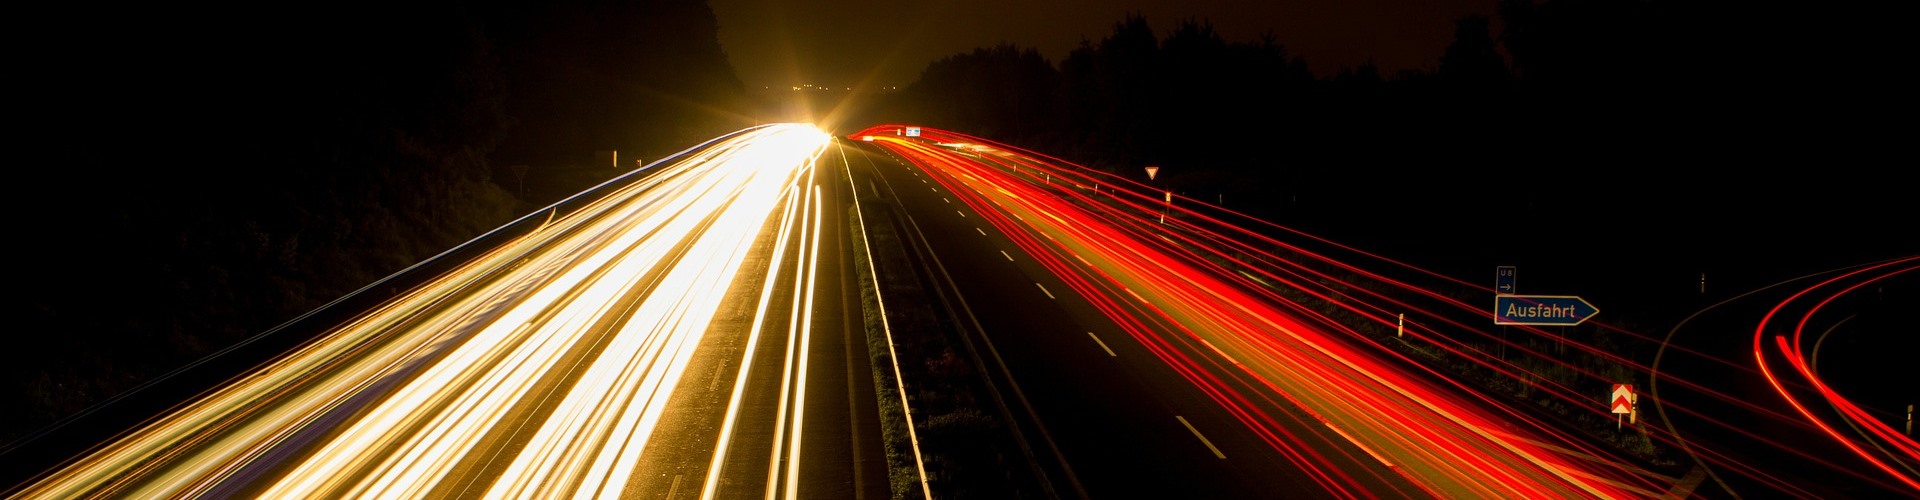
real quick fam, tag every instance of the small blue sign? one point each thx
(1503, 278)
(1559, 310)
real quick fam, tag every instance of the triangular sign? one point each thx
(1151, 170)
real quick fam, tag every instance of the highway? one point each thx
(1103, 417)
(781, 313)
(678, 338)
(1212, 387)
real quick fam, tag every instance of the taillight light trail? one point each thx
(1176, 303)
(1894, 453)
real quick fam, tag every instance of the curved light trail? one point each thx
(1892, 453)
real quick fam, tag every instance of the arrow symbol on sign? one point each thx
(1562, 310)
(1622, 398)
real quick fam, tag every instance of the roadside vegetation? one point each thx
(966, 446)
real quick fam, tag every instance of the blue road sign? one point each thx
(1541, 310)
(1503, 278)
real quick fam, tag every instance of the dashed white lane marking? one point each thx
(1103, 345)
(1203, 439)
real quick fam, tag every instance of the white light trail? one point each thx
(602, 309)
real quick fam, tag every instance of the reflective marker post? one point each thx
(1623, 402)
(1163, 213)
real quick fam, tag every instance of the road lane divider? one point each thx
(1103, 345)
(886, 328)
(1203, 438)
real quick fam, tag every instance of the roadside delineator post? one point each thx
(1163, 213)
(1622, 402)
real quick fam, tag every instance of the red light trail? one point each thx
(1183, 290)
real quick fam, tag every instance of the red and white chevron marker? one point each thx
(1623, 402)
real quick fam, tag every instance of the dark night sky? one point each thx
(875, 44)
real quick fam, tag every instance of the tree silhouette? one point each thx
(1004, 91)
(1472, 62)
(203, 173)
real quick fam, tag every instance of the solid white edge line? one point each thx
(1019, 395)
(913, 436)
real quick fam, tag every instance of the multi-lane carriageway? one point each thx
(698, 331)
